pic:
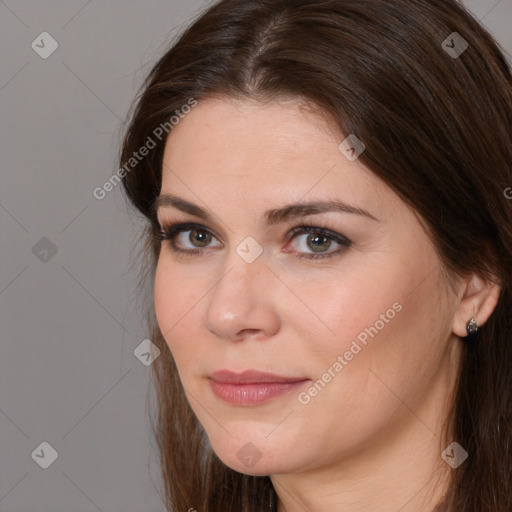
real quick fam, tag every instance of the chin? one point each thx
(260, 468)
(256, 456)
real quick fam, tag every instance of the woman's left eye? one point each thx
(317, 239)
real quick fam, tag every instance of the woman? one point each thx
(330, 240)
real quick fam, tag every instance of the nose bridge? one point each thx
(244, 268)
(240, 299)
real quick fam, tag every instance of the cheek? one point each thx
(359, 317)
(359, 306)
(174, 301)
(378, 318)
(378, 359)
(165, 290)
(387, 342)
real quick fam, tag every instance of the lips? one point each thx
(251, 387)
(251, 377)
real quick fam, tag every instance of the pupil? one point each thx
(199, 236)
(324, 242)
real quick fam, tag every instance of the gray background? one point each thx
(70, 321)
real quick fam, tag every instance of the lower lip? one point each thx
(252, 394)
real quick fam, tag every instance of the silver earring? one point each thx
(471, 329)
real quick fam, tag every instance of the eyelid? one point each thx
(305, 229)
(170, 230)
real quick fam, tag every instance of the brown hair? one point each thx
(437, 129)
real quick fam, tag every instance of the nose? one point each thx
(241, 305)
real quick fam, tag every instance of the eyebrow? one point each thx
(270, 217)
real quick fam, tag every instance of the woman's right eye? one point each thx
(197, 234)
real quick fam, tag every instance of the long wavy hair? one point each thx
(434, 110)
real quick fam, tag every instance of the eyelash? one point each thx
(170, 231)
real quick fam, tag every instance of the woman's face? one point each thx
(364, 331)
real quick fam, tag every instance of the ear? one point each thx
(478, 298)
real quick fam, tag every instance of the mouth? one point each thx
(251, 387)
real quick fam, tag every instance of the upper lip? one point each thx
(250, 377)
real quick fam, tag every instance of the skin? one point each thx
(371, 439)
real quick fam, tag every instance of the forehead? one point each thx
(232, 126)
(275, 152)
